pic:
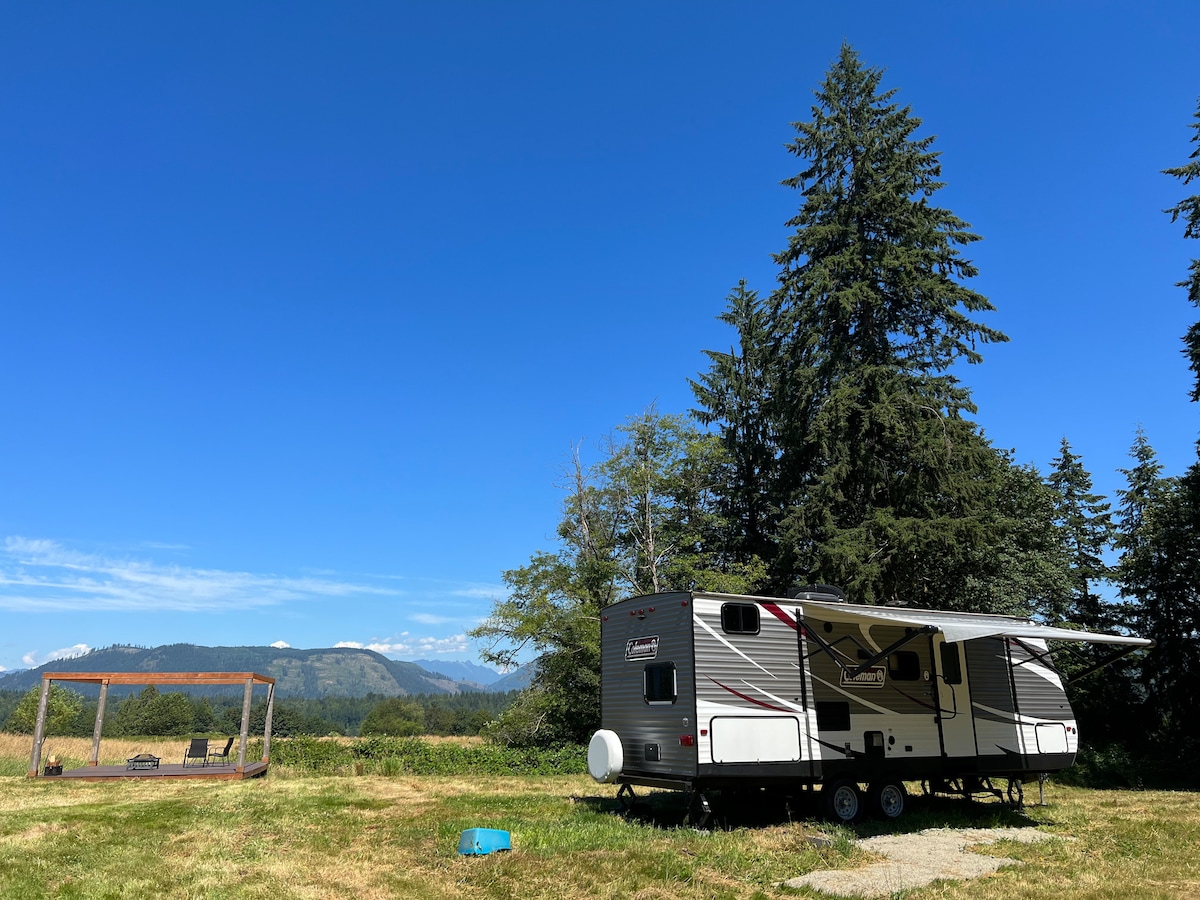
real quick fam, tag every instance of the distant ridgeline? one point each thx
(335, 672)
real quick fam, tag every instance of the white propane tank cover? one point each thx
(605, 757)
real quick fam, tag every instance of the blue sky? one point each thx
(304, 306)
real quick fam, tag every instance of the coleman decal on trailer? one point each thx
(872, 677)
(642, 648)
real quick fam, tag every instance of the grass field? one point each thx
(316, 836)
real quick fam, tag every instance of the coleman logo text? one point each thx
(872, 678)
(642, 648)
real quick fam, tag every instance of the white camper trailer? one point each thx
(703, 692)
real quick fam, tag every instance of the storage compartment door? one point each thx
(746, 739)
(1051, 737)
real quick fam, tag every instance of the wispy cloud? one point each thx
(408, 645)
(430, 619)
(44, 576)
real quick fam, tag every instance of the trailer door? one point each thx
(954, 700)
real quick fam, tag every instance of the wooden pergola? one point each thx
(95, 772)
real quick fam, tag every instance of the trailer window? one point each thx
(904, 665)
(951, 667)
(660, 684)
(833, 715)
(739, 618)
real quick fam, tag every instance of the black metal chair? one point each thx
(197, 750)
(221, 755)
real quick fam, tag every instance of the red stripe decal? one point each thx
(747, 697)
(775, 610)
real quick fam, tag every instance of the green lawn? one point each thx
(320, 836)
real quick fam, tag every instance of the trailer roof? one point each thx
(955, 626)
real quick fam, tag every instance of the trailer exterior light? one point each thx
(686, 740)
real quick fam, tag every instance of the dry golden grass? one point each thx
(76, 750)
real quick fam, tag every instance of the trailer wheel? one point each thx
(841, 801)
(888, 799)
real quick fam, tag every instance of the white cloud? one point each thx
(43, 576)
(281, 645)
(34, 659)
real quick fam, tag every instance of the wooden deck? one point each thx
(164, 770)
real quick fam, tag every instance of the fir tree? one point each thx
(886, 477)
(1085, 521)
(1189, 210)
(736, 394)
(1159, 572)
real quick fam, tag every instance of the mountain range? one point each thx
(333, 672)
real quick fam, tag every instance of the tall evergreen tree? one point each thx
(1188, 209)
(1162, 572)
(1086, 524)
(885, 475)
(736, 394)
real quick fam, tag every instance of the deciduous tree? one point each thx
(638, 521)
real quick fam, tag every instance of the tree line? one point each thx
(836, 442)
(151, 712)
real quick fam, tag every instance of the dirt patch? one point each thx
(913, 860)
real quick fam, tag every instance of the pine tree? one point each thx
(885, 475)
(1085, 520)
(1189, 210)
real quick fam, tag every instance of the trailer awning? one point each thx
(966, 626)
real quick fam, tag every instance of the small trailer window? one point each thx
(904, 665)
(660, 684)
(833, 715)
(739, 618)
(951, 667)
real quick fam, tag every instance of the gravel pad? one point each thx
(913, 860)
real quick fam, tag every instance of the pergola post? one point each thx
(266, 757)
(94, 759)
(39, 730)
(247, 697)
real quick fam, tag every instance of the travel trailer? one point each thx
(704, 692)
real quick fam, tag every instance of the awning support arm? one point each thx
(1108, 660)
(882, 654)
(885, 653)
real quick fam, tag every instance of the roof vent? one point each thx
(826, 592)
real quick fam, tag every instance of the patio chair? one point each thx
(197, 750)
(221, 755)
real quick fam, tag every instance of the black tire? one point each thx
(888, 799)
(841, 801)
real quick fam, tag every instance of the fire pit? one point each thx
(142, 761)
